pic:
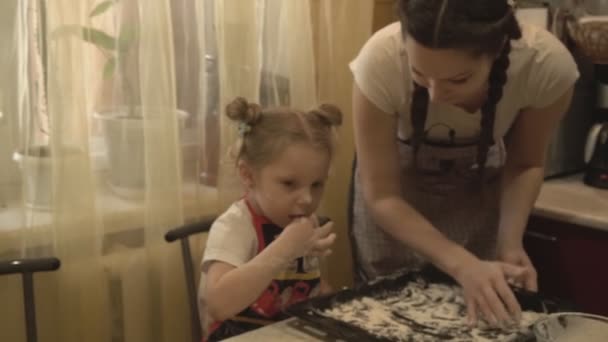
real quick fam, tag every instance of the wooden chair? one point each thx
(27, 268)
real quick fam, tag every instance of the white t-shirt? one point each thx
(541, 70)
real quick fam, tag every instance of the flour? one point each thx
(423, 312)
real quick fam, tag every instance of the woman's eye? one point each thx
(317, 185)
(288, 184)
(459, 81)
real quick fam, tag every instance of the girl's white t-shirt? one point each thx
(541, 70)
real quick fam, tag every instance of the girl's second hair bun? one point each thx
(330, 113)
(241, 110)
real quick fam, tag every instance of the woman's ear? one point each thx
(246, 174)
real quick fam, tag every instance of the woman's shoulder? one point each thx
(542, 68)
(380, 68)
(538, 48)
(390, 33)
(384, 45)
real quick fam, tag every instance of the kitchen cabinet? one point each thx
(571, 261)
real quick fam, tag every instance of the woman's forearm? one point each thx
(520, 188)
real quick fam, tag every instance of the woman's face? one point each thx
(454, 77)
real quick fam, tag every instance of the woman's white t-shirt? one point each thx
(541, 70)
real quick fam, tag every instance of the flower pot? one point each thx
(36, 170)
(124, 140)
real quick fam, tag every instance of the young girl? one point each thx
(435, 96)
(262, 253)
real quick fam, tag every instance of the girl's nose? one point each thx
(305, 196)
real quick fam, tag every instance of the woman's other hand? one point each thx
(516, 255)
(487, 293)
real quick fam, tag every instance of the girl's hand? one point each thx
(302, 237)
(516, 255)
(487, 293)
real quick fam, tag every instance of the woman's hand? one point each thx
(302, 237)
(516, 255)
(487, 293)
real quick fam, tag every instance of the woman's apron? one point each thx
(444, 187)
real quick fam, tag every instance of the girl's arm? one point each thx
(523, 176)
(230, 289)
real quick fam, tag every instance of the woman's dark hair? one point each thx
(476, 26)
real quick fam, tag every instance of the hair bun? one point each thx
(330, 114)
(241, 110)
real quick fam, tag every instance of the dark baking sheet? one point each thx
(309, 311)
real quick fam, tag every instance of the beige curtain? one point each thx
(122, 102)
(301, 61)
(341, 28)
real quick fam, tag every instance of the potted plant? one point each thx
(36, 172)
(122, 122)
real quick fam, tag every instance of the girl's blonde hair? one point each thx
(264, 133)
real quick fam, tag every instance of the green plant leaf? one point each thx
(125, 38)
(109, 67)
(101, 8)
(99, 38)
(91, 35)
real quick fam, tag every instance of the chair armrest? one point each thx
(189, 229)
(29, 265)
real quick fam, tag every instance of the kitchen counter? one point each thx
(570, 200)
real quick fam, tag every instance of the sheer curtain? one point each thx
(119, 136)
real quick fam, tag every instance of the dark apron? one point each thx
(443, 186)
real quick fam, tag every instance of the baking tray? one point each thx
(311, 319)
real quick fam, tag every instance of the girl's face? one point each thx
(289, 187)
(454, 77)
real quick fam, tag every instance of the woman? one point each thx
(454, 107)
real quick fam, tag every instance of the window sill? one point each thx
(118, 215)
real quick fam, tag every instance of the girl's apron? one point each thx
(444, 187)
